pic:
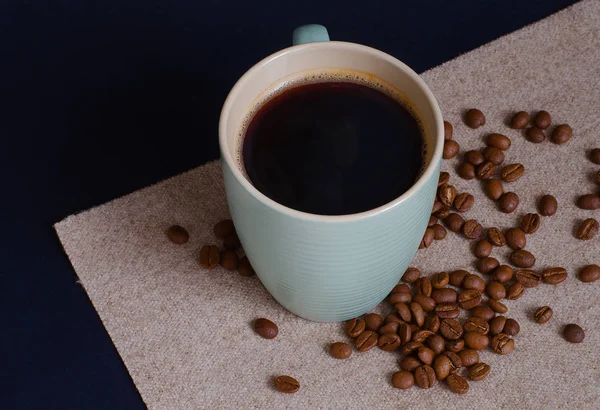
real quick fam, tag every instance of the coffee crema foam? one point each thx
(324, 75)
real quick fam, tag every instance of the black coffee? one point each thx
(333, 148)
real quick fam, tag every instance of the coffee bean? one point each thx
(457, 384)
(503, 273)
(410, 347)
(589, 273)
(439, 280)
(455, 346)
(472, 229)
(469, 357)
(400, 298)
(439, 232)
(478, 371)
(487, 264)
(437, 206)
(373, 321)
(588, 229)
(286, 384)
(421, 335)
(244, 267)
(403, 380)
(512, 172)
(424, 376)
(232, 242)
(477, 341)
(391, 327)
(427, 238)
(573, 333)
(548, 205)
(409, 363)
(432, 323)
(463, 202)
(496, 236)
(515, 238)
(266, 328)
(474, 118)
(455, 362)
(543, 314)
(423, 286)
(447, 310)
(404, 331)
(454, 222)
(554, 276)
(595, 156)
(393, 318)
(493, 189)
(508, 202)
(497, 325)
(486, 170)
(470, 298)
(465, 171)
(340, 350)
(427, 303)
(530, 223)
(474, 157)
(528, 278)
(403, 311)
(561, 134)
(418, 314)
(437, 344)
(589, 201)
(443, 179)
(542, 120)
(444, 295)
(389, 342)
(502, 344)
(511, 327)
(209, 257)
(496, 290)
(476, 324)
(457, 277)
(451, 148)
(515, 291)
(426, 355)
(494, 155)
(441, 367)
(229, 259)
(178, 235)
(473, 282)
(354, 327)
(451, 329)
(411, 275)
(448, 130)
(520, 120)
(498, 141)
(401, 287)
(224, 228)
(366, 341)
(447, 194)
(443, 212)
(484, 312)
(522, 258)
(497, 307)
(535, 135)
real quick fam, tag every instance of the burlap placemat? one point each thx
(185, 334)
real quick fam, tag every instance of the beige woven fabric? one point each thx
(185, 334)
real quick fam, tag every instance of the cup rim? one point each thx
(430, 169)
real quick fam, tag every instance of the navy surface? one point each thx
(99, 99)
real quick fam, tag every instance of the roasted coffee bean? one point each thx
(497, 325)
(508, 202)
(455, 362)
(448, 130)
(266, 328)
(469, 298)
(393, 318)
(432, 323)
(542, 120)
(535, 135)
(439, 280)
(497, 307)
(457, 277)
(232, 242)
(561, 134)
(244, 267)
(589, 273)
(457, 384)
(442, 367)
(520, 120)
(451, 148)
(589, 201)
(482, 249)
(515, 238)
(474, 157)
(400, 298)
(426, 355)
(463, 202)
(366, 341)
(496, 236)
(511, 327)
(512, 172)
(354, 327)
(530, 223)
(229, 259)
(401, 287)
(423, 286)
(503, 273)
(465, 171)
(477, 341)
(443, 179)
(427, 303)
(502, 344)
(478, 371)
(209, 257)
(595, 156)
(373, 321)
(472, 229)
(421, 335)
(391, 327)
(485, 170)
(437, 344)
(493, 188)
(573, 333)
(454, 222)
(409, 363)
(432, 221)
(286, 384)
(444, 295)
(515, 291)
(498, 141)
(522, 258)
(178, 235)
(495, 290)
(403, 380)
(474, 118)
(528, 278)
(439, 232)
(437, 205)
(389, 342)
(469, 357)
(474, 282)
(447, 310)
(410, 347)
(340, 350)
(543, 314)
(547, 205)
(455, 346)
(447, 194)
(494, 155)
(487, 264)
(476, 324)
(403, 311)
(411, 275)
(588, 229)
(424, 376)
(224, 228)
(554, 276)
(443, 212)
(418, 314)
(427, 238)
(451, 329)
(405, 332)
(484, 312)
(414, 328)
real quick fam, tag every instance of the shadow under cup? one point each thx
(329, 268)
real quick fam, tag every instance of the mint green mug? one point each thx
(328, 268)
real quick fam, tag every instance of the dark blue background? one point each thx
(100, 99)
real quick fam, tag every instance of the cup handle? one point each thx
(310, 33)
